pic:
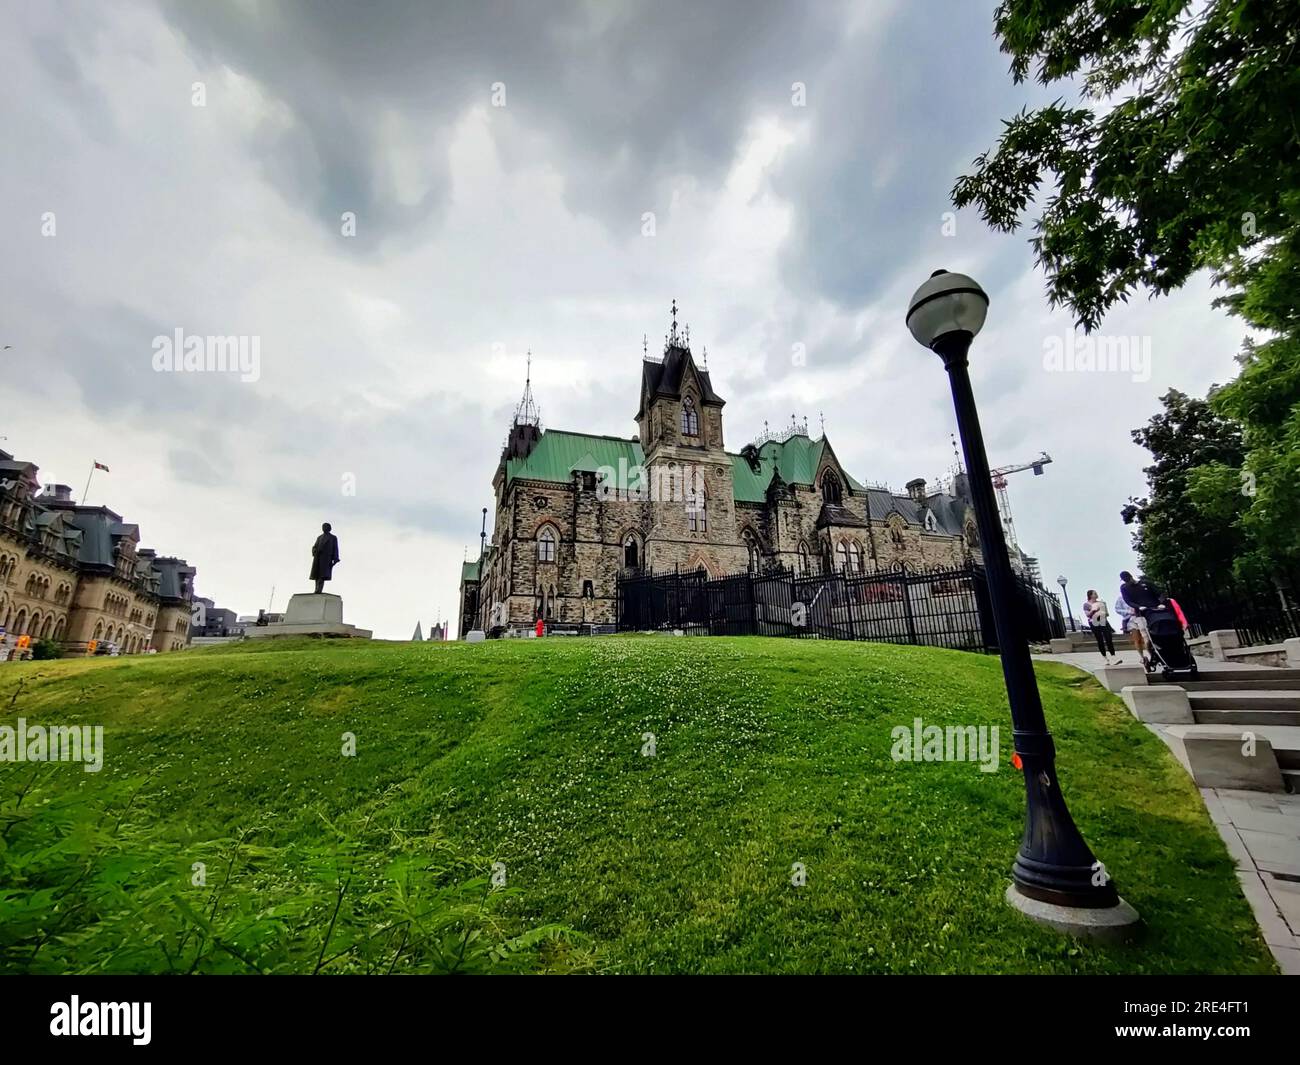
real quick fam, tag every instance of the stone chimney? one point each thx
(916, 489)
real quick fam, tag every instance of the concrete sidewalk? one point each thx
(1260, 830)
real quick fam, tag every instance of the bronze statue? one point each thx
(324, 557)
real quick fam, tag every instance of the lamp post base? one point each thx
(1109, 924)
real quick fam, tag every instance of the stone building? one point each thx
(574, 510)
(74, 574)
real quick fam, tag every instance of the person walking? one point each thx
(1094, 608)
(1141, 595)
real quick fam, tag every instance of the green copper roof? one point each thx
(558, 454)
(797, 458)
(469, 571)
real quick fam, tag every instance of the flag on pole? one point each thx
(101, 466)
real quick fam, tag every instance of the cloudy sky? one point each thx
(196, 165)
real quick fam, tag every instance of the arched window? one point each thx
(855, 557)
(58, 629)
(631, 552)
(842, 557)
(99, 631)
(832, 492)
(690, 419)
(803, 559)
(697, 512)
(546, 545)
(972, 536)
(751, 551)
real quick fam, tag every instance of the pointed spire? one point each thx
(528, 413)
(705, 353)
(821, 414)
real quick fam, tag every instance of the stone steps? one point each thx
(1245, 707)
(1214, 755)
(1233, 685)
(1267, 676)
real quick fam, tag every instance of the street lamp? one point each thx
(1064, 595)
(1055, 878)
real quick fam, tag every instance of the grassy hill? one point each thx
(529, 754)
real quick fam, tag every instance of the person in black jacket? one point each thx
(1141, 595)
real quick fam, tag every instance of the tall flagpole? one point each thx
(86, 491)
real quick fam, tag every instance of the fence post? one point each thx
(907, 605)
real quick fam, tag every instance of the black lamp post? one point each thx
(1054, 864)
(1065, 595)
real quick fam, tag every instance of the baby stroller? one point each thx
(1169, 651)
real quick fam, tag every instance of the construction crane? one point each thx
(999, 476)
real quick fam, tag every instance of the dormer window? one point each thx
(690, 418)
(930, 524)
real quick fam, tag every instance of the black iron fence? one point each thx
(946, 607)
(1263, 610)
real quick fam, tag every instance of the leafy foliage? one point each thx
(43, 650)
(1180, 157)
(1187, 522)
(91, 888)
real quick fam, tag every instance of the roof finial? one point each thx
(705, 353)
(645, 347)
(822, 415)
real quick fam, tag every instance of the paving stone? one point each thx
(1214, 805)
(1287, 902)
(1277, 933)
(1277, 824)
(1236, 847)
(1274, 853)
(1288, 960)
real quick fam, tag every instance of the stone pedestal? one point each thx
(1292, 653)
(1117, 678)
(1219, 756)
(1223, 640)
(1158, 704)
(309, 614)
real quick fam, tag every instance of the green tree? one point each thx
(1180, 156)
(1265, 400)
(1188, 522)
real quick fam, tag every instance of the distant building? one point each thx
(468, 597)
(213, 621)
(74, 574)
(573, 511)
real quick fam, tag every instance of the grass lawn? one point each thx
(529, 753)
